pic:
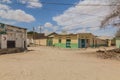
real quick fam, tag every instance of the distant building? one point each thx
(118, 42)
(12, 36)
(80, 40)
(109, 40)
(37, 39)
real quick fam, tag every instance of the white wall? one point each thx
(19, 40)
(3, 41)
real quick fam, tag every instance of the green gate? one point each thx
(68, 43)
(81, 43)
(49, 42)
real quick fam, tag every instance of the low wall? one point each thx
(62, 45)
(11, 50)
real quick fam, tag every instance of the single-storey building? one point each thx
(118, 42)
(80, 40)
(12, 36)
(110, 41)
(37, 39)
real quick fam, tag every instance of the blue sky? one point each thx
(52, 17)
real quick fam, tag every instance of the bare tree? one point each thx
(114, 13)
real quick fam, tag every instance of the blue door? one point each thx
(83, 41)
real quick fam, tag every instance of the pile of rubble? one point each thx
(114, 53)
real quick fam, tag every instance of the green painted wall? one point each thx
(62, 45)
(118, 43)
(75, 45)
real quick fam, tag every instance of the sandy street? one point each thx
(57, 64)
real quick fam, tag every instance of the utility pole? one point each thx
(40, 28)
(33, 35)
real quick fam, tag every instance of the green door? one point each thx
(83, 43)
(50, 42)
(68, 43)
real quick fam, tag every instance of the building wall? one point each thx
(87, 37)
(113, 42)
(109, 43)
(74, 43)
(63, 41)
(92, 42)
(3, 41)
(118, 43)
(101, 42)
(16, 34)
(55, 40)
(76, 40)
(42, 42)
(73, 38)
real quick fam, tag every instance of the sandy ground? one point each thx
(57, 64)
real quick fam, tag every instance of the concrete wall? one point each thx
(91, 40)
(101, 42)
(18, 35)
(15, 34)
(118, 43)
(19, 40)
(42, 42)
(55, 40)
(3, 41)
(74, 41)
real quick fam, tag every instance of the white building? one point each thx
(12, 36)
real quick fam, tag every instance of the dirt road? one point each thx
(57, 64)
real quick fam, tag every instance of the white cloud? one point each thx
(46, 31)
(83, 16)
(18, 15)
(5, 1)
(81, 31)
(4, 7)
(94, 28)
(55, 28)
(32, 3)
(48, 25)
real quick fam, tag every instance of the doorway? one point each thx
(68, 43)
(11, 44)
(81, 43)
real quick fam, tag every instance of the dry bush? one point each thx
(114, 13)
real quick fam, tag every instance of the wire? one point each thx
(46, 9)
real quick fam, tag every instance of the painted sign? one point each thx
(2, 28)
(3, 41)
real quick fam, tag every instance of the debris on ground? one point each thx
(114, 53)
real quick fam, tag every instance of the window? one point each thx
(60, 41)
